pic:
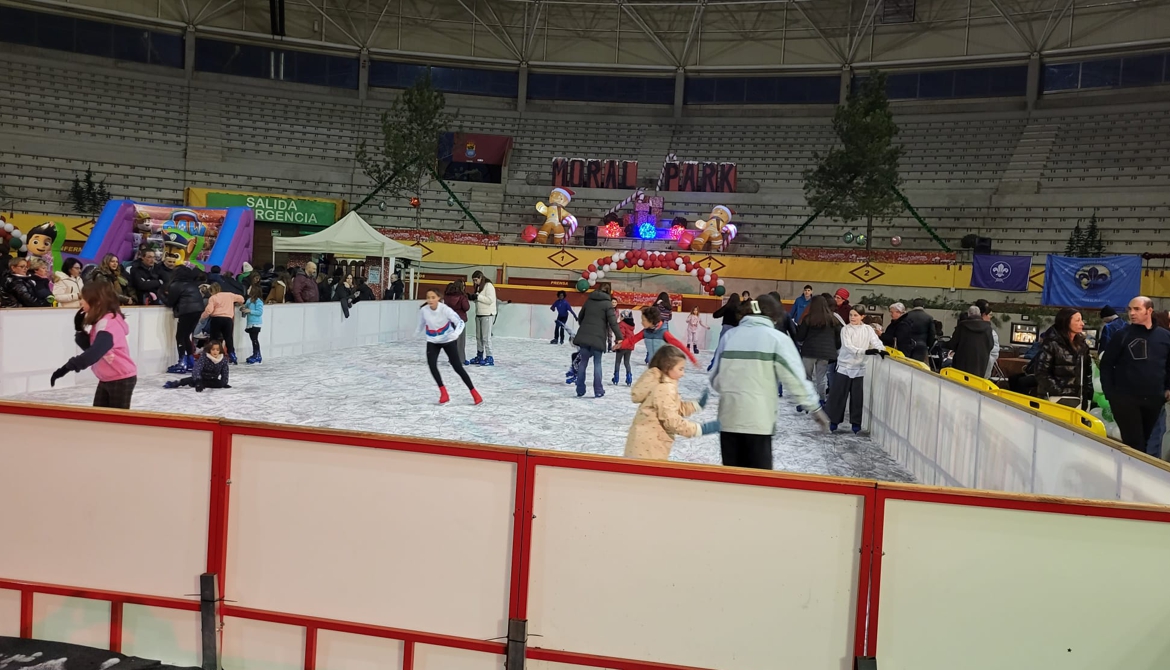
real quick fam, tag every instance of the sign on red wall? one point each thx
(693, 176)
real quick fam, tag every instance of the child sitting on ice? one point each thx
(211, 370)
(660, 409)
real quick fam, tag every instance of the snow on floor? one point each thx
(388, 389)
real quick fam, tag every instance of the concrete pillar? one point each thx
(522, 90)
(363, 74)
(1033, 90)
(189, 51)
(680, 83)
(846, 84)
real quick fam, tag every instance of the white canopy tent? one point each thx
(351, 236)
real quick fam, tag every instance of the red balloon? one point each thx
(714, 277)
(584, 275)
(592, 267)
(687, 260)
(688, 267)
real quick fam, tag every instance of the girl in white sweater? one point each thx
(442, 326)
(857, 340)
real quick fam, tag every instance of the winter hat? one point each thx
(842, 294)
(627, 315)
(568, 193)
(1107, 312)
(247, 266)
(725, 211)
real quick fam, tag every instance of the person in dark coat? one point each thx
(187, 303)
(841, 305)
(397, 288)
(226, 282)
(1064, 372)
(784, 323)
(1135, 374)
(455, 297)
(16, 289)
(361, 290)
(896, 335)
(595, 318)
(919, 331)
(267, 279)
(303, 288)
(145, 279)
(819, 334)
(972, 343)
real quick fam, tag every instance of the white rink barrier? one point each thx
(948, 434)
(35, 342)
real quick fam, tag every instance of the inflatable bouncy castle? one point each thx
(201, 236)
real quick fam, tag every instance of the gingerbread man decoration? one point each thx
(556, 217)
(714, 229)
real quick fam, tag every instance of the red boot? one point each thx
(476, 396)
(443, 397)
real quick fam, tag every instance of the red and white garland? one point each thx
(641, 258)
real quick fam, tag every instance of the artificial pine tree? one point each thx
(1094, 246)
(1076, 242)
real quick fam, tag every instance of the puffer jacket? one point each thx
(183, 295)
(1063, 368)
(457, 301)
(752, 360)
(819, 343)
(144, 280)
(67, 290)
(303, 288)
(659, 418)
(919, 333)
(17, 291)
(595, 318)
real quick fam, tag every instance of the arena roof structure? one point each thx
(665, 37)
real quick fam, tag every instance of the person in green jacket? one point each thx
(751, 362)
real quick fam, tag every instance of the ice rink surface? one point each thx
(387, 389)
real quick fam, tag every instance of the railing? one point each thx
(960, 430)
(338, 549)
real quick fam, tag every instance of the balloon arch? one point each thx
(668, 260)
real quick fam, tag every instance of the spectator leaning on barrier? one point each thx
(972, 342)
(67, 288)
(1135, 373)
(919, 330)
(303, 288)
(895, 334)
(146, 280)
(16, 290)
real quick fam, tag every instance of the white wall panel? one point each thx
(118, 507)
(693, 573)
(260, 645)
(1142, 482)
(958, 426)
(1070, 464)
(345, 651)
(396, 539)
(9, 613)
(73, 620)
(428, 657)
(1006, 437)
(167, 635)
(922, 436)
(970, 588)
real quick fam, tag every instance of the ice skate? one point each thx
(856, 428)
(629, 379)
(232, 358)
(443, 397)
(178, 369)
(478, 360)
(488, 362)
(476, 396)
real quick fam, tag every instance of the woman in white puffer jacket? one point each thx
(68, 283)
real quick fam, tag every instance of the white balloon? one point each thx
(615, 257)
(719, 283)
(601, 274)
(641, 263)
(694, 273)
(8, 227)
(592, 276)
(592, 282)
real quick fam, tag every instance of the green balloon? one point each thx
(582, 285)
(720, 290)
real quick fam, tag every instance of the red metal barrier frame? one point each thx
(99, 594)
(123, 417)
(991, 500)
(369, 630)
(554, 656)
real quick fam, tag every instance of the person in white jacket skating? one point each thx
(442, 326)
(857, 340)
(485, 317)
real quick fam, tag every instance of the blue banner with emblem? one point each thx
(1001, 273)
(1092, 282)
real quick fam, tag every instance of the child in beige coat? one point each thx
(660, 412)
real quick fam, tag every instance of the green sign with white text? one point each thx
(276, 209)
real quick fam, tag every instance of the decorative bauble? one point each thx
(382, 205)
(720, 289)
(860, 239)
(450, 201)
(847, 238)
(414, 202)
(529, 233)
(582, 285)
(896, 240)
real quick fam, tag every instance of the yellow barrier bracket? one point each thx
(1064, 413)
(969, 380)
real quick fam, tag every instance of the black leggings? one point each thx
(746, 451)
(254, 333)
(220, 328)
(452, 351)
(623, 355)
(183, 332)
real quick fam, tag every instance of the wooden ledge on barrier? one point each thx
(1020, 501)
(1062, 413)
(107, 415)
(966, 379)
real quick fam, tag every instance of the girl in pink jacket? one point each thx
(104, 347)
(221, 315)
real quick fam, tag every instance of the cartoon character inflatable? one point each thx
(45, 241)
(714, 229)
(556, 217)
(177, 248)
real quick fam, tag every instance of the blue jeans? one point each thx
(1154, 444)
(588, 353)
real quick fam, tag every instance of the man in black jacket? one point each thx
(146, 280)
(597, 316)
(919, 330)
(972, 343)
(1135, 373)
